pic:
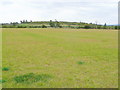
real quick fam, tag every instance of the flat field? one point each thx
(59, 58)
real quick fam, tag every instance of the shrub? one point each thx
(43, 26)
(20, 26)
(87, 26)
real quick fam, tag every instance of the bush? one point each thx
(98, 27)
(60, 26)
(51, 23)
(20, 26)
(78, 27)
(43, 26)
(34, 27)
(8, 26)
(87, 26)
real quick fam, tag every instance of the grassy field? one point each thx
(60, 58)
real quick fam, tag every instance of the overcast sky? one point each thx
(102, 11)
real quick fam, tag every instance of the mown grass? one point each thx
(75, 58)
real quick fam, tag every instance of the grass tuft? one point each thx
(2, 81)
(80, 62)
(5, 69)
(31, 78)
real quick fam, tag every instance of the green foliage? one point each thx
(21, 26)
(78, 27)
(52, 24)
(2, 81)
(5, 69)
(35, 27)
(105, 26)
(117, 27)
(43, 26)
(87, 27)
(31, 77)
(81, 62)
(8, 26)
(56, 24)
(99, 27)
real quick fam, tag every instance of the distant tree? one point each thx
(90, 23)
(116, 27)
(11, 23)
(99, 27)
(57, 24)
(14, 23)
(87, 26)
(43, 26)
(21, 21)
(21, 26)
(26, 21)
(105, 26)
(78, 27)
(52, 24)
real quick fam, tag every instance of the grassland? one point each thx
(60, 58)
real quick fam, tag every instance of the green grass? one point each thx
(80, 62)
(5, 69)
(31, 78)
(2, 81)
(59, 53)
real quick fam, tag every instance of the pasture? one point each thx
(59, 58)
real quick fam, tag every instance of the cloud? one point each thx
(104, 11)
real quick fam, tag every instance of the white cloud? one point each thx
(65, 10)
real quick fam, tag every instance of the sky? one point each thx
(90, 11)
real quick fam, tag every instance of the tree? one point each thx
(43, 26)
(26, 21)
(87, 26)
(58, 24)
(21, 22)
(99, 27)
(105, 25)
(15, 23)
(51, 24)
(116, 27)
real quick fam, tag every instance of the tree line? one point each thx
(56, 24)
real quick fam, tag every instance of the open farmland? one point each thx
(59, 58)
